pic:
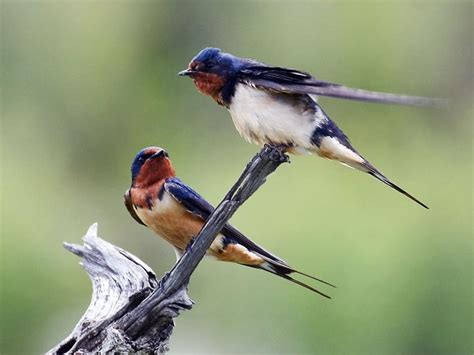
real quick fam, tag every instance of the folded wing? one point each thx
(128, 204)
(198, 206)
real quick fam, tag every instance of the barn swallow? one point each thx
(278, 106)
(175, 212)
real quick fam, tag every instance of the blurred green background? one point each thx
(85, 85)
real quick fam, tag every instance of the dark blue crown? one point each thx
(207, 54)
(138, 161)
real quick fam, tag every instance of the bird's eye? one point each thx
(209, 65)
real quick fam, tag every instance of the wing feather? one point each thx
(128, 204)
(292, 81)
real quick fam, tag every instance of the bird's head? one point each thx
(151, 165)
(211, 69)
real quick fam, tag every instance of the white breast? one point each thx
(262, 117)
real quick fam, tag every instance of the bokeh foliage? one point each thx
(85, 85)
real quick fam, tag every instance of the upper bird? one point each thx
(163, 203)
(277, 106)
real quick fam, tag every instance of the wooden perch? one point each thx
(130, 310)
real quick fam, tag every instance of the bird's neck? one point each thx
(221, 89)
(154, 173)
(227, 92)
(144, 197)
(208, 83)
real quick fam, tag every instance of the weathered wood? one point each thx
(130, 310)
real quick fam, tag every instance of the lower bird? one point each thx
(277, 106)
(175, 212)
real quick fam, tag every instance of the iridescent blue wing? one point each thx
(292, 81)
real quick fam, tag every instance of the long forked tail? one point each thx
(379, 176)
(289, 278)
(283, 270)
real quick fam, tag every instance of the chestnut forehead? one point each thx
(194, 63)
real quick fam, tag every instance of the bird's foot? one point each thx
(278, 153)
(189, 247)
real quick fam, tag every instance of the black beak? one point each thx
(161, 153)
(187, 72)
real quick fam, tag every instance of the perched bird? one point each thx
(175, 212)
(277, 106)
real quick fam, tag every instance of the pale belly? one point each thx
(174, 224)
(264, 118)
